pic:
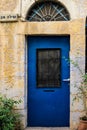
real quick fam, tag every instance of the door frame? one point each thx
(74, 28)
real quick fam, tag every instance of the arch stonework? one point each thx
(70, 6)
(48, 11)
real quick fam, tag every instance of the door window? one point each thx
(48, 67)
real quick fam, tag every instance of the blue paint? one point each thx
(48, 109)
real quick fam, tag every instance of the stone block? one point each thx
(77, 26)
(77, 45)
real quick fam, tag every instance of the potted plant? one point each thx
(82, 95)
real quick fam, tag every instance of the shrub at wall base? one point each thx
(9, 118)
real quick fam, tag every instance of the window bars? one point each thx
(48, 11)
(48, 67)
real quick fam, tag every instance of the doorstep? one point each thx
(47, 128)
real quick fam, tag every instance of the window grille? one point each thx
(48, 67)
(48, 11)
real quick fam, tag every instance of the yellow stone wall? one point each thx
(13, 44)
(10, 6)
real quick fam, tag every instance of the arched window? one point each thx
(48, 11)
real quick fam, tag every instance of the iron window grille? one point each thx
(48, 11)
(48, 68)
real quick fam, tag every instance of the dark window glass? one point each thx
(48, 67)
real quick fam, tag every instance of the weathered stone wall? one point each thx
(11, 6)
(13, 63)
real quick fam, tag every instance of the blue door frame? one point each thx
(48, 107)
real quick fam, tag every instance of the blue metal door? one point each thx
(48, 102)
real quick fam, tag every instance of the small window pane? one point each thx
(48, 67)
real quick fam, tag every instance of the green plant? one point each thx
(8, 117)
(81, 93)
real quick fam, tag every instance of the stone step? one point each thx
(47, 128)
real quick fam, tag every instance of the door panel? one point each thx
(48, 100)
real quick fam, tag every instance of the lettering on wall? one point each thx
(8, 17)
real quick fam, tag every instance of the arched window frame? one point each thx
(48, 11)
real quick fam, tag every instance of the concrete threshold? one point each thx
(47, 128)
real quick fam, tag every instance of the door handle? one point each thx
(66, 80)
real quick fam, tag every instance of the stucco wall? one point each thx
(13, 63)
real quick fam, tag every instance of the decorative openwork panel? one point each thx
(48, 11)
(48, 67)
